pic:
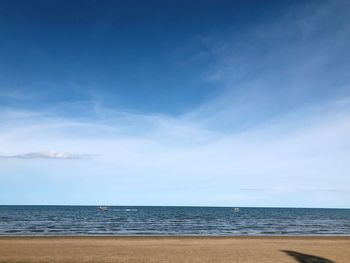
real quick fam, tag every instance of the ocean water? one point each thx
(120, 220)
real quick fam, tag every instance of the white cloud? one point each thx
(45, 155)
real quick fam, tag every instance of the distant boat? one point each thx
(102, 208)
(236, 210)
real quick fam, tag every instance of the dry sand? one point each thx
(175, 249)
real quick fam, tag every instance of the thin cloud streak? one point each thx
(46, 155)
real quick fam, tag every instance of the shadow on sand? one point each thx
(304, 258)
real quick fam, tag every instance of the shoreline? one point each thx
(168, 249)
(345, 236)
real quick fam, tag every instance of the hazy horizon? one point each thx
(189, 206)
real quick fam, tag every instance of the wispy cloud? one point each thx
(306, 149)
(275, 68)
(45, 155)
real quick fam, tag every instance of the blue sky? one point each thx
(225, 103)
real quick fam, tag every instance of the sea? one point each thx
(173, 221)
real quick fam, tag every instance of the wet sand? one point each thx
(175, 249)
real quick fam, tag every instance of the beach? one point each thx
(174, 249)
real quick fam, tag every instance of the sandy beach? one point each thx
(175, 249)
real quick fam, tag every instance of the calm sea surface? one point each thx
(86, 220)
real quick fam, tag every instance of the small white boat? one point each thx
(102, 208)
(236, 210)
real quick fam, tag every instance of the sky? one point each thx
(203, 103)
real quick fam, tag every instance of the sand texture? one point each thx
(175, 249)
